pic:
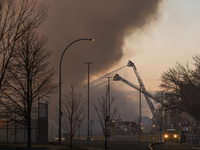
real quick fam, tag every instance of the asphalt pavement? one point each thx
(112, 145)
(171, 145)
(134, 145)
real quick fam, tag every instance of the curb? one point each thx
(154, 144)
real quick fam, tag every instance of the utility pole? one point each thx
(108, 95)
(140, 118)
(88, 117)
(107, 119)
(162, 118)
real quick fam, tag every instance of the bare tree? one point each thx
(136, 118)
(103, 111)
(73, 113)
(17, 18)
(28, 77)
(181, 89)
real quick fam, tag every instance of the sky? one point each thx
(155, 35)
(174, 38)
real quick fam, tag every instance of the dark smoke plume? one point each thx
(109, 22)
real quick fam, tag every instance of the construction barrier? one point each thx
(140, 137)
(143, 137)
(150, 138)
(101, 137)
(95, 137)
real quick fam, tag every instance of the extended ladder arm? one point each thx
(146, 94)
(131, 64)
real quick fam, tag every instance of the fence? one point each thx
(193, 138)
(11, 131)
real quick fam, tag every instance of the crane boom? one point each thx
(131, 64)
(118, 78)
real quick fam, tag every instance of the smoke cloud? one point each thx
(109, 22)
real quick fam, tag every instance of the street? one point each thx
(113, 145)
(131, 142)
(172, 145)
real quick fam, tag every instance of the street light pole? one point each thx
(88, 117)
(60, 113)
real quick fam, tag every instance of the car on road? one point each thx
(170, 135)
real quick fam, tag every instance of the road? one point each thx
(132, 145)
(113, 145)
(130, 142)
(171, 145)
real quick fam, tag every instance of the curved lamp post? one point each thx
(60, 113)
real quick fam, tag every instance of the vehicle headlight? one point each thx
(166, 136)
(175, 136)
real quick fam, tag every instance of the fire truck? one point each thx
(127, 127)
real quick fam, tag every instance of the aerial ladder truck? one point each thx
(131, 64)
(143, 90)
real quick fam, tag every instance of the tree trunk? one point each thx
(70, 142)
(29, 130)
(71, 135)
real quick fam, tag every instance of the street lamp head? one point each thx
(88, 62)
(92, 40)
